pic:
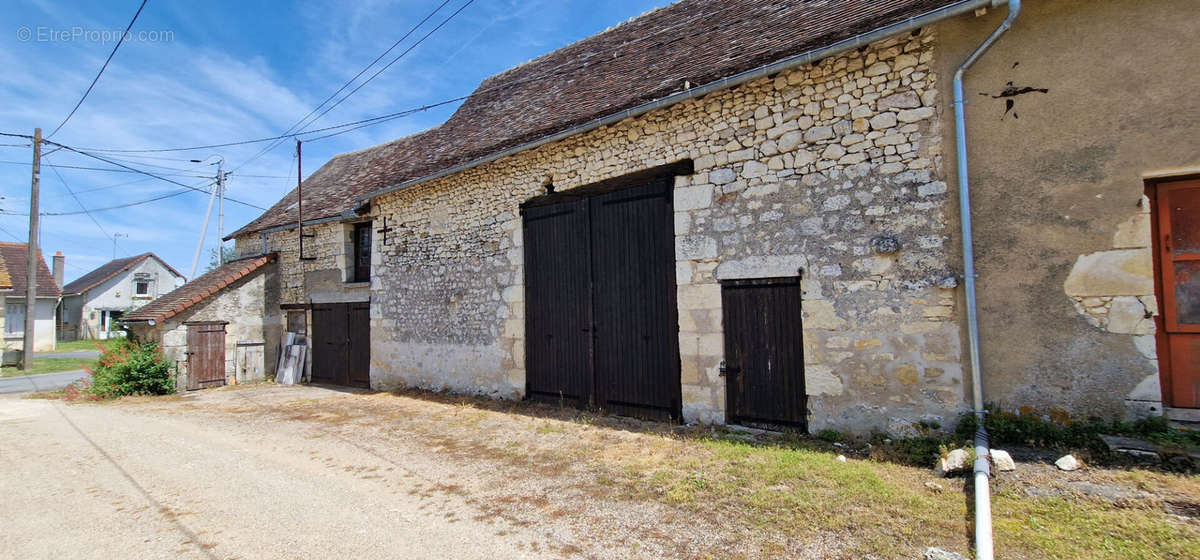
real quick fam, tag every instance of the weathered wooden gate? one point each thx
(341, 341)
(601, 325)
(1177, 268)
(764, 352)
(205, 355)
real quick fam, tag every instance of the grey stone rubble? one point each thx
(935, 553)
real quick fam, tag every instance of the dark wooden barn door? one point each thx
(1177, 220)
(205, 355)
(359, 344)
(341, 344)
(764, 352)
(558, 320)
(601, 326)
(633, 279)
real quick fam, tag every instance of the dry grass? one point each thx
(699, 493)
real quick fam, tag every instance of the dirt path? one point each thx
(309, 472)
(111, 481)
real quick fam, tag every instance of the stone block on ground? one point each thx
(954, 461)
(1067, 463)
(1002, 460)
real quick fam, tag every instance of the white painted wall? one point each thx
(14, 325)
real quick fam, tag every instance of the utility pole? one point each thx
(203, 231)
(221, 212)
(31, 261)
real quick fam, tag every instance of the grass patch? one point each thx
(49, 365)
(80, 345)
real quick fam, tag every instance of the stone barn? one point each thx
(749, 212)
(220, 329)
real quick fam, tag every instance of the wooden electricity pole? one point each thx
(31, 261)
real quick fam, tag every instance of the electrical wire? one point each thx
(84, 208)
(118, 206)
(302, 124)
(157, 176)
(102, 68)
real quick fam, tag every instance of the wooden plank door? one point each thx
(633, 275)
(358, 351)
(206, 355)
(558, 311)
(330, 359)
(1177, 248)
(764, 352)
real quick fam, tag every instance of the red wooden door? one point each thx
(1177, 213)
(206, 355)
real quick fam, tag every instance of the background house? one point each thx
(93, 303)
(14, 256)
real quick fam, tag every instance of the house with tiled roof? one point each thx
(760, 212)
(94, 303)
(13, 290)
(219, 328)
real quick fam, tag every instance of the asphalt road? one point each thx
(121, 481)
(37, 383)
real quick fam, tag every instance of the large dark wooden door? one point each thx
(558, 330)
(601, 326)
(205, 355)
(633, 278)
(1177, 244)
(341, 342)
(764, 352)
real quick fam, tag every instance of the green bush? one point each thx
(131, 368)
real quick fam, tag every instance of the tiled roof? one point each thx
(14, 257)
(5, 279)
(108, 270)
(197, 290)
(641, 60)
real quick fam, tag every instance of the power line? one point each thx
(10, 234)
(130, 170)
(118, 206)
(108, 161)
(102, 68)
(333, 95)
(84, 208)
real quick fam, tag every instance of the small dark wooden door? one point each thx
(1177, 244)
(601, 326)
(764, 352)
(206, 355)
(341, 339)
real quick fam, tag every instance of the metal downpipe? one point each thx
(982, 470)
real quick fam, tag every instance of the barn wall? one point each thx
(832, 171)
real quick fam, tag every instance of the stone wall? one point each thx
(830, 172)
(251, 308)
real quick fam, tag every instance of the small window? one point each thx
(362, 252)
(297, 322)
(141, 287)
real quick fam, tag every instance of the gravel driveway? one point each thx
(174, 479)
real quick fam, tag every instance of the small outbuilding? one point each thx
(219, 328)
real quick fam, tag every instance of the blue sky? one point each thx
(211, 72)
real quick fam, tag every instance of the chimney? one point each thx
(59, 264)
